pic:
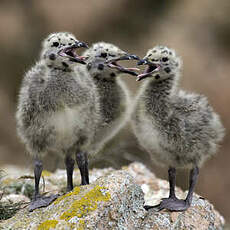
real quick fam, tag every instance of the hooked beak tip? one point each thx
(135, 57)
(82, 44)
(142, 62)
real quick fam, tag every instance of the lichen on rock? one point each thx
(47, 225)
(86, 204)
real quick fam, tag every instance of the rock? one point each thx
(115, 200)
(15, 198)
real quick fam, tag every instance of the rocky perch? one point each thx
(113, 200)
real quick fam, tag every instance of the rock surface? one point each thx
(113, 200)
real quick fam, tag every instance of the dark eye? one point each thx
(164, 59)
(157, 76)
(56, 44)
(52, 57)
(167, 70)
(104, 55)
(100, 67)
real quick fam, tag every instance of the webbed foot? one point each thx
(42, 201)
(170, 204)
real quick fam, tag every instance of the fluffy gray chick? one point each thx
(103, 68)
(55, 110)
(177, 128)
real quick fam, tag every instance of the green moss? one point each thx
(46, 225)
(75, 191)
(86, 204)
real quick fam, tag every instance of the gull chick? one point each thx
(178, 129)
(54, 110)
(104, 68)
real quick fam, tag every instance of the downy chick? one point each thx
(113, 95)
(54, 110)
(177, 128)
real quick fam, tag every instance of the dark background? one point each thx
(198, 30)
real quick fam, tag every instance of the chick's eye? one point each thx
(56, 44)
(164, 59)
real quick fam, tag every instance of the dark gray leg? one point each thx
(38, 167)
(172, 184)
(192, 182)
(39, 201)
(174, 204)
(82, 162)
(69, 163)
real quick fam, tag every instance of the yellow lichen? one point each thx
(48, 224)
(86, 204)
(81, 224)
(46, 173)
(75, 191)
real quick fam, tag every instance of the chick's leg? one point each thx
(38, 200)
(174, 204)
(82, 162)
(69, 163)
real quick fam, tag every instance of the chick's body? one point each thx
(54, 111)
(113, 101)
(180, 132)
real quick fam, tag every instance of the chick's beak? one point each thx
(150, 69)
(70, 52)
(80, 45)
(142, 62)
(129, 57)
(113, 64)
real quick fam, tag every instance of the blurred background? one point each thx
(198, 30)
